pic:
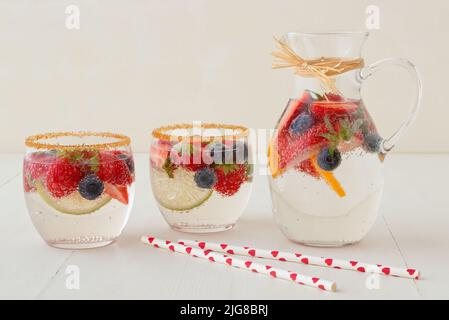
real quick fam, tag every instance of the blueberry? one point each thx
(240, 149)
(205, 178)
(221, 153)
(90, 187)
(329, 161)
(301, 124)
(128, 160)
(372, 142)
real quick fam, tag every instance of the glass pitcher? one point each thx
(325, 157)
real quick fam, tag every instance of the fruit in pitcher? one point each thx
(229, 178)
(322, 108)
(285, 146)
(307, 167)
(63, 178)
(371, 142)
(292, 151)
(293, 109)
(329, 177)
(300, 124)
(329, 96)
(328, 159)
(205, 178)
(90, 187)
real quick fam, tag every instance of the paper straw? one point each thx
(241, 264)
(305, 259)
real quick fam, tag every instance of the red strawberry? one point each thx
(63, 177)
(159, 153)
(332, 97)
(294, 150)
(31, 172)
(127, 158)
(307, 167)
(119, 193)
(113, 170)
(294, 107)
(334, 108)
(27, 186)
(35, 166)
(280, 154)
(36, 169)
(229, 178)
(193, 164)
(188, 155)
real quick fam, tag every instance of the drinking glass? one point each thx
(79, 187)
(201, 175)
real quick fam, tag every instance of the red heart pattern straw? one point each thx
(305, 259)
(213, 256)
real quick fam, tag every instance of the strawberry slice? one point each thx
(280, 138)
(159, 152)
(116, 192)
(294, 107)
(333, 97)
(307, 167)
(292, 151)
(334, 108)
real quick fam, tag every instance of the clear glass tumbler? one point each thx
(201, 180)
(79, 187)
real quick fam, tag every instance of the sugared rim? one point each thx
(161, 132)
(121, 141)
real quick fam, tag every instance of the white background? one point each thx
(136, 64)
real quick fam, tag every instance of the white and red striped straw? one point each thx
(241, 264)
(305, 259)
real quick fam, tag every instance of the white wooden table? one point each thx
(412, 230)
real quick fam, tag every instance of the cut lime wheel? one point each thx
(179, 193)
(74, 203)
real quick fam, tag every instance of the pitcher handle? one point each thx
(365, 73)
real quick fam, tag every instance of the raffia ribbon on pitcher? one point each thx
(323, 68)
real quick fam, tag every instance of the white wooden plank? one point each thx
(416, 208)
(11, 166)
(129, 269)
(27, 264)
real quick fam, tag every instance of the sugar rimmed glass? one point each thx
(201, 175)
(79, 187)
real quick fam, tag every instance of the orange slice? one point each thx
(273, 160)
(329, 177)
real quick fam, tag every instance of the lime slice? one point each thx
(179, 193)
(74, 203)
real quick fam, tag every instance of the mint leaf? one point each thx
(328, 124)
(345, 132)
(328, 136)
(169, 168)
(227, 168)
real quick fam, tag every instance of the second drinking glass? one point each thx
(201, 175)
